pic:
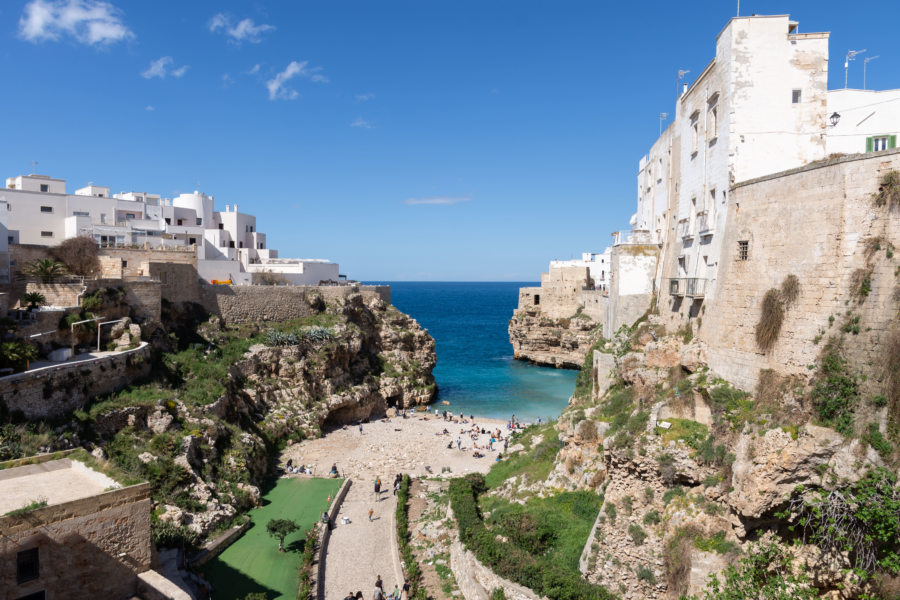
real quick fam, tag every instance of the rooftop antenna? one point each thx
(34, 163)
(866, 62)
(681, 74)
(851, 55)
(739, 8)
(662, 117)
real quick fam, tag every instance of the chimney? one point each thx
(227, 208)
(684, 88)
(235, 208)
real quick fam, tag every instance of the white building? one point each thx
(596, 263)
(865, 121)
(759, 107)
(229, 247)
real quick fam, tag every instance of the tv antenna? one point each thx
(662, 117)
(681, 74)
(865, 63)
(851, 55)
(34, 163)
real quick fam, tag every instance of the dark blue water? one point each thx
(475, 371)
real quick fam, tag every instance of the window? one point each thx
(27, 566)
(192, 241)
(41, 595)
(45, 187)
(713, 123)
(695, 135)
(251, 229)
(46, 234)
(81, 213)
(744, 250)
(881, 142)
(199, 221)
(128, 216)
(231, 244)
(260, 245)
(796, 95)
(712, 199)
(180, 221)
(240, 244)
(168, 221)
(537, 299)
(124, 263)
(46, 209)
(9, 239)
(221, 225)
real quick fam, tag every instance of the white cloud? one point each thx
(364, 97)
(277, 88)
(150, 108)
(160, 68)
(87, 21)
(254, 69)
(438, 200)
(244, 31)
(362, 123)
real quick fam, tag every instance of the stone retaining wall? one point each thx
(318, 590)
(475, 580)
(242, 303)
(58, 390)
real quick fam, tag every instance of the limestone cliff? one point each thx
(204, 430)
(561, 343)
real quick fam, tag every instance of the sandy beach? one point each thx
(416, 445)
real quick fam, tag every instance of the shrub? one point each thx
(498, 594)
(281, 338)
(79, 255)
(861, 519)
(770, 319)
(790, 289)
(836, 392)
(888, 190)
(318, 334)
(637, 534)
(16, 355)
(646, 575)
(877, 441)
(652, 517)
(675, 492)
(166, 534)
(33, 299)
(610, 509)
(765, 573)
(93, 301)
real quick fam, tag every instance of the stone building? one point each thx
(227, 243)
(69, 531)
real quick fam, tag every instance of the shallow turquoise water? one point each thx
(475, 371)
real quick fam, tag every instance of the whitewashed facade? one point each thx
(597, 264)
(229, 246)
(866, 121)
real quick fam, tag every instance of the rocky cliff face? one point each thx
(694, 473)
(561, 343)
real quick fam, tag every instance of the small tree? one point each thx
(280, 529)
(33, 299)
(79, 254)
(45, 269)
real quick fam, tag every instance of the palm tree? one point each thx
(33, 299)
(45, 269)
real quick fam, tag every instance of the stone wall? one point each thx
(178, 282)
(241, 303)
(88, 548)
(819, 223)
(56, 391)
(632, 274)
(132, 262)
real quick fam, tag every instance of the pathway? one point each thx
(362, 550)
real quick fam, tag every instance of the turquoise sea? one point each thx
(475, 371)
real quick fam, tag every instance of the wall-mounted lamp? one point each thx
(835, 117)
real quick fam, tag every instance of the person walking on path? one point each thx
(377, 487)
(360, 427)
(371, 512)
(404, 595)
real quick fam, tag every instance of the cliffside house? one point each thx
(229, 247)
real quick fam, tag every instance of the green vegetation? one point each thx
(861, 519)
(583, 381)
(835, 393)
(652, 517)
(16, 354)
(770, 319)
(888, 190)
(280, 529)
(672, 493)
(877, 441)
(33, 299)
(33, 505)
(691, 432)
(410, 565)
(46, 270)
(765, 573)
(637, 534)
(545, 538)
(533, 463)
(646, 575)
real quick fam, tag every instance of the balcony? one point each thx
(689, 287)
(705, 223)
(684, 229)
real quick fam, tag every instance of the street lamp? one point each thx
(835, 117)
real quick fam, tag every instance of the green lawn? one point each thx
(253, 563)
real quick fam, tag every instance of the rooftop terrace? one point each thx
(55, 481)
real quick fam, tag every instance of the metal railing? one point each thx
(690, 287)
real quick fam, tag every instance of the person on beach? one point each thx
(458, 443)
(349, 596)
(404, 595)
(360, 427)
(396, 593)
(371, 512)
(377, 487)
(359, 595)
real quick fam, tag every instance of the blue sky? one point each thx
(415, 140)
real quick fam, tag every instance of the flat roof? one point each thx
(55, 481)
